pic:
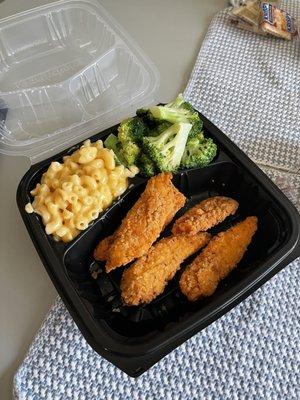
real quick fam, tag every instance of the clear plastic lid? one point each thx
(67, 70)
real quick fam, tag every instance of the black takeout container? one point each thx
(135, 338)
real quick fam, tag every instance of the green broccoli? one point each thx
(196, 129)
(166, 149)
(173, 115)
(126, 152)
(147, 117)
(163, 138)
(129, 152)
(177, 103)
(187, 106)
(177, 110)
(198, 152)
(146, 166)
(132, 129)
(130, 134)
(158, 129)
(113, 143)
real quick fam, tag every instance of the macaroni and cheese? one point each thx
(73, 193)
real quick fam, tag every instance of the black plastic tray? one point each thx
(135, 338)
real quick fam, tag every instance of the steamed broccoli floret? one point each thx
(132, 129)
(130, 134)
(113, 143)
(147, 117)
(173, 115)
(177, 103)
(130, 152)
(146, 166)
(187, 106)
(180, 102)
(198, 152)
(196, 129)
(166, 149)
(176, 111)
(158, 129)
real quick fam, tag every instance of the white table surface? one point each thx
(170, 32)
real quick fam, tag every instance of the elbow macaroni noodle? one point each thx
(73, 193)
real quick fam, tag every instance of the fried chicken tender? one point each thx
(144, 222)
(217, 260)
(149, 275)
(205, 215)
(101, 250)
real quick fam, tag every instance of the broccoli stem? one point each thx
(177, 103)
(113, 143)
(167, 148)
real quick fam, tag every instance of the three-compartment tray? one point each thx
(135, 338)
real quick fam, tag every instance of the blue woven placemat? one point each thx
(249, 87)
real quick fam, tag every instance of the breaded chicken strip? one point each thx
(149, 275)
(217, 260)
(101, 250)
(144, 222)
(205, 215)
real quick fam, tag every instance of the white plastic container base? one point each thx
(67, 70)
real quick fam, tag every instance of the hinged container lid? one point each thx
(67, 70)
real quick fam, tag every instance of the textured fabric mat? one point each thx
(249, 87)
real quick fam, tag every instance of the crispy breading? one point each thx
(205, 215)
(144, 222)
(217, 260)
(149, 275)
(100, 252)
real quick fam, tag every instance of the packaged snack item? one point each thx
(249, 12)
(277, 22)
(247, 27)
(264, 18)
